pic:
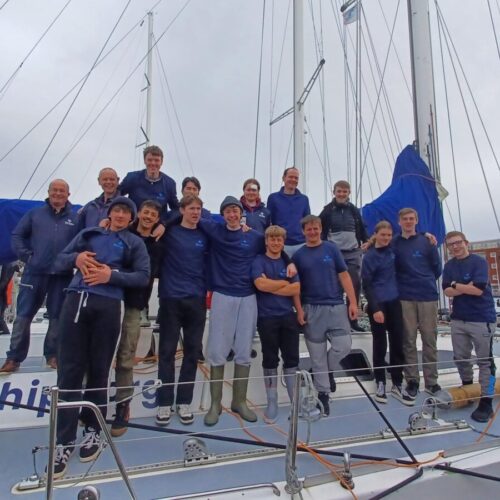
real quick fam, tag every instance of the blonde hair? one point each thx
(275, 231)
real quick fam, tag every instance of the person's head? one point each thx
(153, 159)
(341, 191)
(58, 193)
(383, 234)
(251, 190)
(231, 209)
(190, 208)
(121, 213)
(275, 239)
(457, 244)
(408, 220)
(191, 185)
(291, 179)
(311, 227)
(149, 214)
(108, 180)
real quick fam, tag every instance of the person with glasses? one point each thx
(255, 213)
(473, 318)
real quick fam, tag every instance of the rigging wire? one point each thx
(136, 25)
(270, 166)
(452, 146)
(4, 4)
(380, 87)
(258, 89)
(162, 66)
(74, 100)
(448, 41)
(8, 82)
(494, 30)
(466, 82)
(114, 95)
(169, 120)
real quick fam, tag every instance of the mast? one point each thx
(149, 78)
(298, 89)
(424, 103)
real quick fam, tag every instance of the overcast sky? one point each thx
(210, 55)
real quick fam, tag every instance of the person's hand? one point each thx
(105, 223)
(85, 261)
(378, 317)
(353, 311)
(245, 228)
(431, 239)
(301, 317)
(291, 270)
(158, 232)
(365, 246)
(98, 275)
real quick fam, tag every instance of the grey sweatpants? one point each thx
(326, 323)
(233, 323)
(464, 336)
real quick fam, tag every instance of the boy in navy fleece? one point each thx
(473, 318)
(418, 266)
(107, 261)
(288, 206)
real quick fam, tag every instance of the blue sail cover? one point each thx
(11, 212)
(412, 186)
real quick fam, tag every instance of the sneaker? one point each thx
(433, 389)
(356, 327)
(484, 410)
(412, 389)
(119, 425)
(401, 395)
(185, 415)
(324, 398)
(91, 445)
(10, 366)
(61, 460)
(380, 395)
(52, 363)
(164, 415)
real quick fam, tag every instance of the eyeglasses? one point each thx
(252, 190)
(454, 243)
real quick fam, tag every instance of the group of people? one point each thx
(274, 269)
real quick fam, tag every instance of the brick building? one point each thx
(490, 250)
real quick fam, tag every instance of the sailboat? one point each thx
(360, 451)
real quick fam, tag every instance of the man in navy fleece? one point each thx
(107, 261)
(288, 206)
(473, 318)
(418, 266)
(37, 239)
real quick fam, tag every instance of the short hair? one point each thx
(152, 150)
(193, 179)
(288, 170)
(123, 206)
(189, 199)
(251, 181)
(451, 234)
(383, 224)
(342, 184)
(151, 204)
(106, 168)
(406, 211)
(59, 180)
(275, 231)
(309, 219)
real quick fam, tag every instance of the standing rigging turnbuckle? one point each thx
(346, 475)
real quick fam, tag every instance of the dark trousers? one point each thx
(4, 329)
(352, 260)
(279, 333)
(188, 314)
(32, 291)
(89, 330)
(392, 328)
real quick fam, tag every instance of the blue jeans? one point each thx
(32, 291)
